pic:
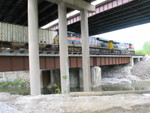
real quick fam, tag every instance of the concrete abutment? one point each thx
(135, 59)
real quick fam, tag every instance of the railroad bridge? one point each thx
(20, 62)
(108, 16)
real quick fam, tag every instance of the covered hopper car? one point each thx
(15, 37)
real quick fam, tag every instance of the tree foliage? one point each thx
(140, 52)
(146, 47)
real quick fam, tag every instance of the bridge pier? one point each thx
(96, 76)
(85, 51)
(34, 65)
(134, 60)
(63, 48)
(81, 78)
(131, 61)
(74, 79)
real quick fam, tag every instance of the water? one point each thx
(138, 85)
(120, 78)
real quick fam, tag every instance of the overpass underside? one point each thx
(130, 14)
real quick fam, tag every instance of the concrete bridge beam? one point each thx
(34, 65)
(75, 4)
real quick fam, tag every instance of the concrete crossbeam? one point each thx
(75, 4)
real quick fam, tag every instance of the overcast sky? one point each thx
(136, 35)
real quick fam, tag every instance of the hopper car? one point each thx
(15, 37)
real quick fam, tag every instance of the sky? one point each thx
(136, 35)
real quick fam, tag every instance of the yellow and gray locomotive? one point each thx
(97, 45)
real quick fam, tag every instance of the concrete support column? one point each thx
(63, 48)
(4, 76)
(139, 59)
(85, 51)
(81, 78)
(52, 76)
(131, 61)
(41, 79)
(96, 76)
(74, 78)
(33, 47)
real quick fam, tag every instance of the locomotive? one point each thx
(14, 38)
(97, 45)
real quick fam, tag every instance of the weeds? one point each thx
(54, 89)
(17, 83)
(15, 87)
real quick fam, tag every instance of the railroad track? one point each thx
(10, 51)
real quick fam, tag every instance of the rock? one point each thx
(4, 108)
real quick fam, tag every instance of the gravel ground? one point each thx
(4, 108)
(122, 103)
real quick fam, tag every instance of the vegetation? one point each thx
(15, 87)
(146, 47)
(140, 52)
(54, 89)
(17, 83)
(20, 91)
(65, 77)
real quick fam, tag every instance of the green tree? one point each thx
(146, 47)
(140, 52)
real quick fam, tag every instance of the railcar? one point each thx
(15, 37)
(97, 45)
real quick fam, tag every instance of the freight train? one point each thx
(97, 45)
(15, 38)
